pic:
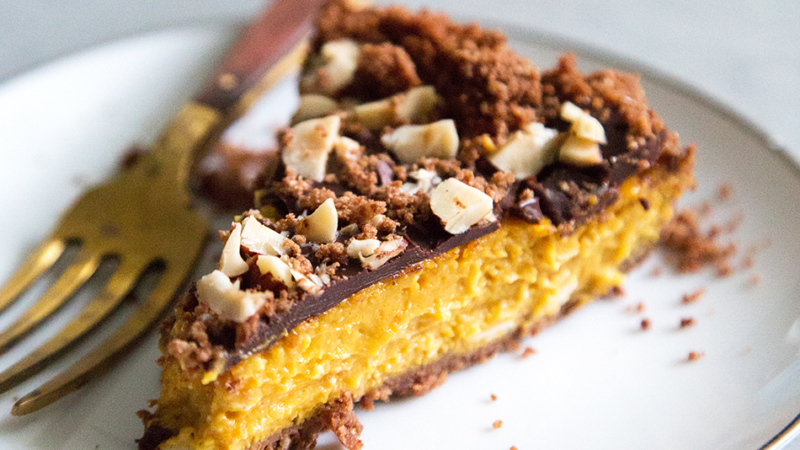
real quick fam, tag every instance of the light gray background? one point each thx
(744, 53)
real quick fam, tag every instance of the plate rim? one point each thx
(558, 42)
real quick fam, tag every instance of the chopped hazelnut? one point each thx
(321, 225)
(310, 143)
(375, 115)
(231, 262)
(417, 104)
(333, 68)
(588, 127)
(584, 125)
(571, 112)
(311, 283)
(580, 152)
(358, 248)
(459, 205)
(435, 140)
(227, 299)
(313, 106)
(348, 147)
(412, 106)
(373, 253)
(425, 181)
(527, 151)
(280, 271)
(581, 146)
(259, 238)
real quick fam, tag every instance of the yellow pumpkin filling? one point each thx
(453, 304)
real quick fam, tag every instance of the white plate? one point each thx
(597, 381)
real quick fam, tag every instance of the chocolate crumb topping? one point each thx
(383, 70)
(690, 248)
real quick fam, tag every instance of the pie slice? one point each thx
(436, 199)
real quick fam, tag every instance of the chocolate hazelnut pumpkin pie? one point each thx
(436, 199)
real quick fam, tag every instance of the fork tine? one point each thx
(112, 295)
(40, 260)
(82, 371)
(84, 265)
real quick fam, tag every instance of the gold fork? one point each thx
(145, 215)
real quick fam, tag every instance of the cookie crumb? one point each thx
(754, 280)
(636, 309)
(493, 397)
(497, 424)
(528, 352)
(687, 322)
(657, 271)
(645, 324)
(705, 209)
(694, 356)
(616, 292)
(724, 269)
(693, 297)
(724, 192)
(689, 249)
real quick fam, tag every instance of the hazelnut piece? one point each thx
(459, 205)
(528, 151)
(435, 140)
(259, 238)
(310, 143)
(280, 271)
(580, 152)
(227, 299)
(231, 262)
(321, 225)
(373, 253)
(333, 68)
(313, 106)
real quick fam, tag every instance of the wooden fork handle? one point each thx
(281, 27)
(266, 51)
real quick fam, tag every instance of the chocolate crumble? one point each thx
(693, 297)
(690, 249)
(694, 356)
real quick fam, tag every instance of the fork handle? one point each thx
(261, 46)
(260, 58)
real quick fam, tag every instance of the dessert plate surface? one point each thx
(597, 380)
